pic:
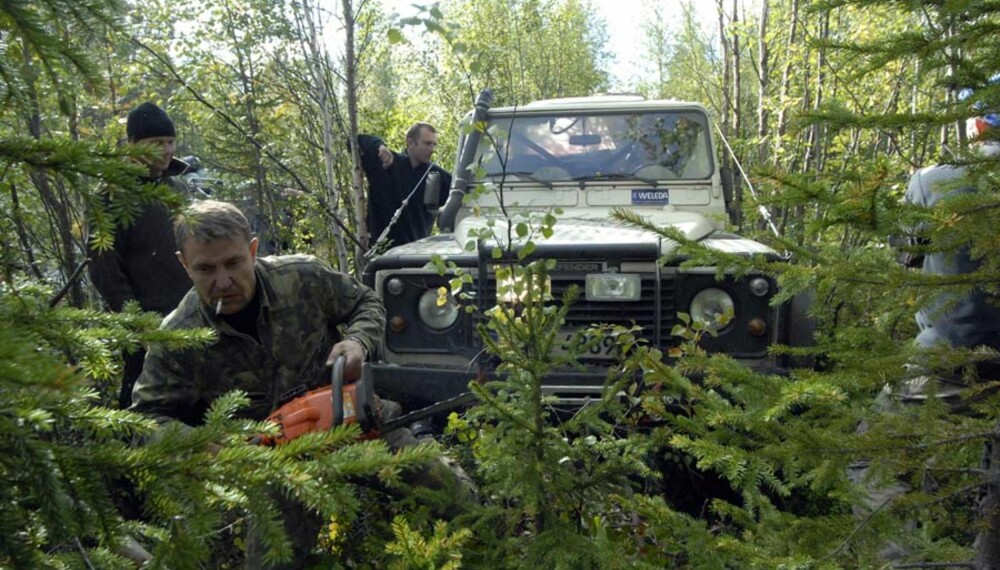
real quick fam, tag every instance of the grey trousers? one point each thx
(913, 392)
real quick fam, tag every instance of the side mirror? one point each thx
(729, 193)
(726, 174)
(194, 164)
(432, 191)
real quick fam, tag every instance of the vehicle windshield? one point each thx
(645, 146)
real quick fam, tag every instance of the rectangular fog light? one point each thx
(613, 287)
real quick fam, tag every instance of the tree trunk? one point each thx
(988, 539)
(812, 159)
(763, 81)
(953, 52)
(319, 68)
(22, 233)
(263, 203)
(737, 75)
(736, 207)
(58, 209)
(786, 76)
(922, 146)
(351, 69)
(735, 102)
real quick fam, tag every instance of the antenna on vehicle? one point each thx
(373, 250)
(764, 212)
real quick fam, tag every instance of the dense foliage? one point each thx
(828, 107)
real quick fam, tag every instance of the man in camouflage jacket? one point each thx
(276, 318)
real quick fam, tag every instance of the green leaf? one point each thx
(522, 230)
(526, 250)
(395, 36)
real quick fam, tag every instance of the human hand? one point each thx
(385, 156)
(355, 355)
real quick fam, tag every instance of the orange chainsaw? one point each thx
(336, 404)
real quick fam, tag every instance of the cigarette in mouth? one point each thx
(218, 307)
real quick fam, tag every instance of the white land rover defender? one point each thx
(584, 156)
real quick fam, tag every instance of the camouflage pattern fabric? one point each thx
(302, 301)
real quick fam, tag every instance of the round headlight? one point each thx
(434, 314)
(712, 307)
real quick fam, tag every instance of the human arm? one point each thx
(354, 305)
(906, 240)
(107, 272)
(926, 188)
(916, 192)
(166, 389)
(374, 152)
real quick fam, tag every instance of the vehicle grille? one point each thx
(584, 313)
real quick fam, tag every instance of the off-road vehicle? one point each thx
(584, 157)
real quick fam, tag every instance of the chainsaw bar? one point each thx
(432, 410)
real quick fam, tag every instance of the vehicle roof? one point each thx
(598, 103)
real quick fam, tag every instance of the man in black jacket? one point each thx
(393, 177)
(141, 264)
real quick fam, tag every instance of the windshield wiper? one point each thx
(617, 176)
(525, 175)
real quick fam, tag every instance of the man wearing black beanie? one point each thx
(141, 264)
(151, 125)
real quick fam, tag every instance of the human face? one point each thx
(221, 269)
(166, 145)
(421, 150)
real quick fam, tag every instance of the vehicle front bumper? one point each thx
(417, 386)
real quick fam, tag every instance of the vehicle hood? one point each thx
(581, 228)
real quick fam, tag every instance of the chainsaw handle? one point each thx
(337, 393)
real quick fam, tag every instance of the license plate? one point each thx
(606, 349)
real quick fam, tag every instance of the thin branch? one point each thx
(960, 491)
(22, 232)
(912, 446)
(936, 565)
(857, 528)
(960, 471)
(83, 553)
(69, 283)
(298, 181)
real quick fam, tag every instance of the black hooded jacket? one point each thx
(142, 264)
